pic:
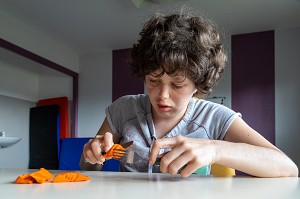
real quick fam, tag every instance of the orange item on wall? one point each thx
(63, 110)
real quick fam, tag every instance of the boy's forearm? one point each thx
(257, 161)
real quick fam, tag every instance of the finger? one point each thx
(90, 157)
(183, 162)
(89, 154)
(96, 146)
(107, 141)
(93, 151)
(160, 144)
(189, 169)
(172, 161)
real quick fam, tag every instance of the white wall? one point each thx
(95, 92)
(20, 89)
(18, 33)
(14, 120)
(287, 95)
(223, 88)
(24, 79)
(21, 85)
(16, 78)
(55, 85)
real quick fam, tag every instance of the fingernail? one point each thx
(150, 162)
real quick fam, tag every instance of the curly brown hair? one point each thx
(180, 43)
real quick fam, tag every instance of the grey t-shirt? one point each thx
(130, 119)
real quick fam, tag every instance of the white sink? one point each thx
(8, 141)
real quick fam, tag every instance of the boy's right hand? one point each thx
(93, 148)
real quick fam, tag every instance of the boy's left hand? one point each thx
(187, 153)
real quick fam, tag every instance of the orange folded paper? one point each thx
(111, 152)
(70, 177)
(25, 179)
(44, 175)
(39, 176)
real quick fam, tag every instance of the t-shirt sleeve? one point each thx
(221, 121)
(214, 118)
(117, 113)
(120, 112)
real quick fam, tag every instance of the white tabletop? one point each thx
(115, 185)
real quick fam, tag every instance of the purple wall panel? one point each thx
(253, 80)
(123, 83)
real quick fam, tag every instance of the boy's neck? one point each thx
(164, 125)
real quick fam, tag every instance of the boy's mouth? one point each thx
(164, 107)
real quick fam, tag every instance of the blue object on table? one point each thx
(203, 170)
(111, 165)
(71, 150)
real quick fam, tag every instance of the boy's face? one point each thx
(169, 95)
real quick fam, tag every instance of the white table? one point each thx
(115, 185)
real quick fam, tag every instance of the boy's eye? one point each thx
(153, 81)
(177, 86)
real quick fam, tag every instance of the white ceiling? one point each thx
(89, 26)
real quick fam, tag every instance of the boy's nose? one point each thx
(164, 92)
